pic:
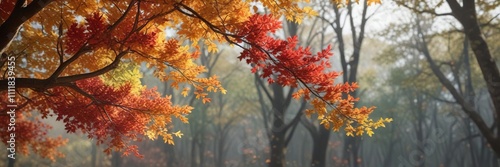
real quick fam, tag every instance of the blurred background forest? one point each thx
(389, 49)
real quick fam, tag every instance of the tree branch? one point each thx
(19, 15)
(310, 127)
(42, 84)
(296, 119)
(469, 110)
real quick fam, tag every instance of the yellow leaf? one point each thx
(178, 134)
(185, 91)
(359, 132)
(212, 47)
(370, 2)
(370, 133)
(310, 11)
(151, 135)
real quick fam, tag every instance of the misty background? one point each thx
(382, 47)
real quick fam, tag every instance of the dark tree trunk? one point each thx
(194, 160)
(279, 133)
(320, 146)
(10, 161)
(201, 144)
(465, 13)
(351, 148)
(93, 155)
(352, 144)
(277, 140)
(467, 16)
(277, 150)
(169, 151)
(116, 159)
(388, 157)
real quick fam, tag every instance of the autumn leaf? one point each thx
(185, 91)
(178, 134)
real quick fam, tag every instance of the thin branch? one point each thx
(18, 16)
(259, 81)
(296, 119)
(491, 20)
(310, 127)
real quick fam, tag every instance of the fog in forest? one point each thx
(413, 63)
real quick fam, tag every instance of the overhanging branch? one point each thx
(19, 15)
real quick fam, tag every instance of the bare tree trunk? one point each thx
(277, 150)
(220, 152)
(201, 141)
(116, 159)
(277, 140)
(194, 159)
(170, 154)
(93, 155)
(350, 68)
(467, 16)
(320, 146)
(279, 132)
(388, 157)
(469, 96)
(419, 129)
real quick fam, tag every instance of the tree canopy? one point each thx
(78, 61)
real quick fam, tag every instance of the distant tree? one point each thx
(466, 14)
(332, 14)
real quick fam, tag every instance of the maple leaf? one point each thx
(185, 91)
(369, 131)
(178, 134)
(206, 100)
